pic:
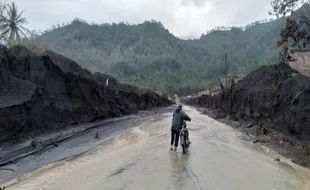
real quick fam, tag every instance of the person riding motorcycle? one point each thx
(179, 116)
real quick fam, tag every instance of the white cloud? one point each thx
(181, 17)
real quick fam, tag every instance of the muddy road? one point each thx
(140, 159)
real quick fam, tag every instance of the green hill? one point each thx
(148, 55)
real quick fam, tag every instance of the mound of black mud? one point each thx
(41, 93)
(277, 95)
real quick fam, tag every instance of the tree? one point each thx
(296, 32)
(293, 7)
(293, 34)
(11, 23)
(284, 7)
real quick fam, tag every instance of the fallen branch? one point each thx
(295, 97)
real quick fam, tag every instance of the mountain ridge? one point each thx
(148, 55)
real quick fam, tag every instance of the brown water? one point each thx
(140, 159)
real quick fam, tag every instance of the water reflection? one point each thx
(180, 178)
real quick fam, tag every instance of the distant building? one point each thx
(215, 93)
(232, 79)
(156, 91)
(299, 60)
(204, 92)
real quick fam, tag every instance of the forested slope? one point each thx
(148, 55)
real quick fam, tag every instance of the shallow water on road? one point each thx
(140, 159)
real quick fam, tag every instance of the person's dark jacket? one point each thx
(178, 117)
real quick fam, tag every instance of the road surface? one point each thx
(140, 159)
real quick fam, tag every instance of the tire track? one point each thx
(193, 177)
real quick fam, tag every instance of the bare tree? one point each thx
(285, 7)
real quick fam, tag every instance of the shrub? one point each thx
(32, 44)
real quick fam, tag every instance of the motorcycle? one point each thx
(184, 140)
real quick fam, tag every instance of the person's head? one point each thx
(179, 108)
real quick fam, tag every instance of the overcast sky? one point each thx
(182, 17)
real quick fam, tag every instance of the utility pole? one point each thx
(226, 70)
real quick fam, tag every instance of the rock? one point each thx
(256, 141)
(276, 159)
(37, 145)
(235, 124)
(97, 136)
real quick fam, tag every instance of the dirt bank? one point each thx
(271, 105)
(42, 93)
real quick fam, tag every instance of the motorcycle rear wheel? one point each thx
(183, 148)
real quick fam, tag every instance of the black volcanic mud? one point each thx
(41, 93)
(274, 97)
(276, 94)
